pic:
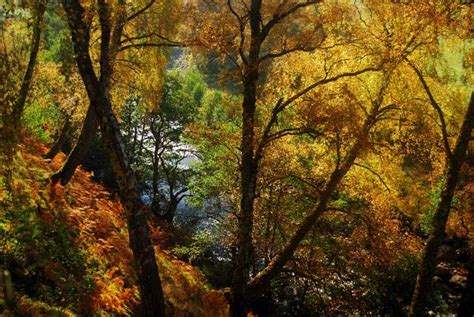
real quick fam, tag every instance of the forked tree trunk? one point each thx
(88, 131)
(261, 282)
(428, 261)
(145, 262)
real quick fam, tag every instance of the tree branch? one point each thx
(136, 14)
(287, 51)
(435, 105)
(375, 173)
(326, 81)
(281, 105)
(139, 45)
(311, 183)
(105, 34)
(277, 18)
(242, 31)
(291, 131)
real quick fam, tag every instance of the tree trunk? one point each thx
(168, 216)
(26, 83)
(147, 270)
(155, 184)
(88, 131)
(155, 205)
(63, 137)
(248, 172)
(11, 116)
(428, 261)
(466, 308)
(243, 263)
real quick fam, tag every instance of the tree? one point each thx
(154, 140)
(319, 167)
(249, 52)
(135, 35)
(98, 91)
(19, 106)
(256, 38)
(454, 161)
(13, 100)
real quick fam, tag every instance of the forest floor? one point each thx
(55, 236)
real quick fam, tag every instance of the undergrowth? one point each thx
(67, 247)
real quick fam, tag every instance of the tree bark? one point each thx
(35, 44)
(248, 172)
(147, 270)
(110, 40)
(63, 137)
(168, 216)
(158, 150)
(155, 204)
(88, 131)
(466, 309)
(428, 261)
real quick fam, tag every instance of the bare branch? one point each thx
(292, 131)
(234, 13)
(241, 29)
(140, 45)
(277, 18)
(338, 150)
(375, 173)
(136, 14)
(284, 52)
(281, 105)
(134, 38)
(263, 142)
(326, 81)
(153, 34)
(369, 222)
(184, 196)
(234, 154)
(310, 182)
(181, 191)
(436, 106)
(382, 111)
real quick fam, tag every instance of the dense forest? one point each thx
(236, 158)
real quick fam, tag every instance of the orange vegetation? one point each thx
(100, 229)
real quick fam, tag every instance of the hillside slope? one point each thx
(67, 247)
